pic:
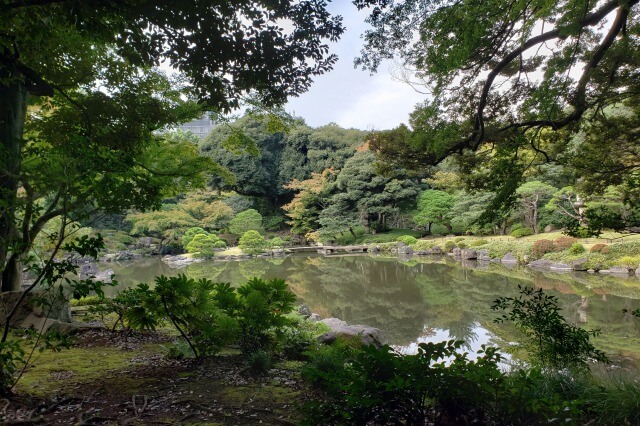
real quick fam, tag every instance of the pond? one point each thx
(427, 299)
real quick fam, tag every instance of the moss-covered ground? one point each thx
(109, 378)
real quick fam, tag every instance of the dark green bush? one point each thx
(192, 309)
(260, 308)
(296, 342)
(477, 243)
(134, 308)
(438, 385)
(259, 362)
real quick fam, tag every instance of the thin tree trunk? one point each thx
(13, 109)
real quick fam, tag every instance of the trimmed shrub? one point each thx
(458, 239)
(252, 242)
(276, 242)
(542, 247)
(577, 248)
(522, 232)
(600, 248)
(407, 239)
(462, 245)
(190, 233)
(205, 244)
(564, 243)
(248, 220)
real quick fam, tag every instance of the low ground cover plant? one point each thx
(442, 385)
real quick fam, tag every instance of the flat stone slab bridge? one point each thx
(328, 249)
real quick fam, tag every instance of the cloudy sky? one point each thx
(352, 97)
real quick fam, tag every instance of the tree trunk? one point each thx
(449, 227)
(12, 274)
(13, 109)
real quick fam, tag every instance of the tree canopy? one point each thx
(92, 62)
(511, 83)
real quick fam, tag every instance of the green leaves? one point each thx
(552, 343)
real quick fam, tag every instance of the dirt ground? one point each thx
(111, 378)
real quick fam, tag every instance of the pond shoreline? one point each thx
(465, 255)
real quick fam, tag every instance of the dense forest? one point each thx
(327, 185)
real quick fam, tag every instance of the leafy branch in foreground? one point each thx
(550, 341)
(50, 291)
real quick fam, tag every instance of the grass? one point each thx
(233, 251)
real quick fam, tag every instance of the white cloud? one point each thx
(351, 97)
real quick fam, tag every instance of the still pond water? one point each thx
(420, 300)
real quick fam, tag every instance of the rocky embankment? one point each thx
(338, 328)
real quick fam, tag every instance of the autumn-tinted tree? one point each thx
(167, 224)
(210, 211)
(311, 197)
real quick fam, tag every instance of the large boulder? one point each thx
(404, 249)
(560, 267)
(468, 254)
(509, 259)
(579, 264)
(36, 303)
(180, 261)
(46, 311)
(368, 335)
(437, 250)
(540, 263)
(304, 311)
(619, 270)
(88, 270)
(483, 255)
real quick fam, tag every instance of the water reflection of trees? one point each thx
(405, 298)
(361, 290)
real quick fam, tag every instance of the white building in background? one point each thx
(200, 127)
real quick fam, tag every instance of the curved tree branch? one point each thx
(590, 20)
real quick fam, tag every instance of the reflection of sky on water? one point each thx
(481, 336)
